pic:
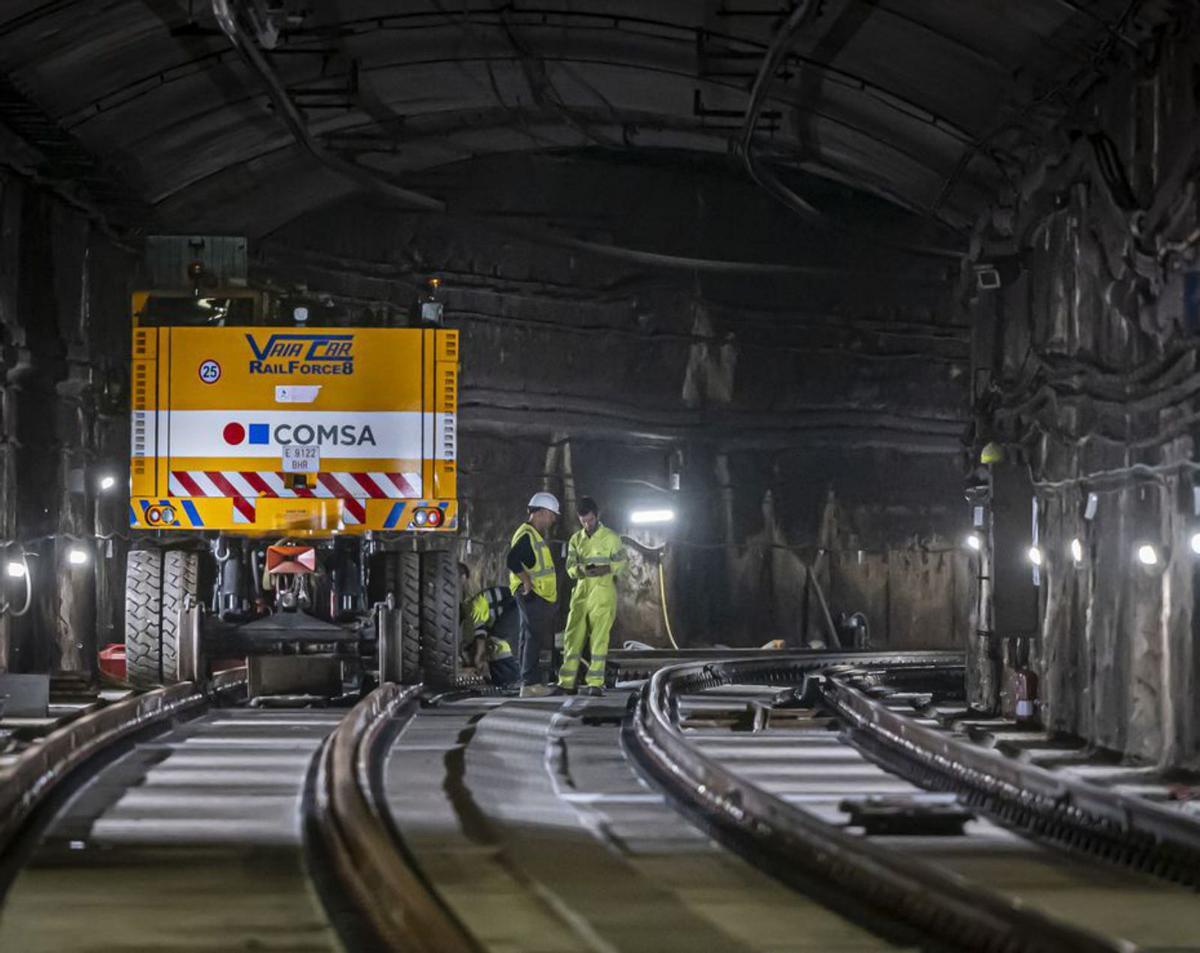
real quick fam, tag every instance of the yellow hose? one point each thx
(662, 591)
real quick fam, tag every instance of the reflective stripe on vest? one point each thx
(499, 649)
(542, 575)
(487, 606)
(494, 597)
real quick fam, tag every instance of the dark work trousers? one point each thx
(537, 631)
(506, 672)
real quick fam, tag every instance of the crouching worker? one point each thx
(492, 613)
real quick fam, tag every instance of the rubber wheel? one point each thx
(401, 576)
(439, 618)
(156, 585)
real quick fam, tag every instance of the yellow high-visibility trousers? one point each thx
(589, 622)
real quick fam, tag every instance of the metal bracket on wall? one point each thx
(987, 278)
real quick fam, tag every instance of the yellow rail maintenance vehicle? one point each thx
(287, 477)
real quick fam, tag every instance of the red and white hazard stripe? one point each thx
(244, 486)
(243, 510)
(354, 512)
(334, 485)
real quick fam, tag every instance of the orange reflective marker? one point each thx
(291, 560)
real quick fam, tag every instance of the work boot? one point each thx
(595, 691)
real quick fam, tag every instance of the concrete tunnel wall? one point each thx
(64, 332)
(1086, 371)
(589, 375)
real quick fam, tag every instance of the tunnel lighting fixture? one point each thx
(974, 542)
(1196, 542)
(1147, 555)
(651, 516)
(15, 569)
(1035, 555)
(77, 556)
(107, 482)
(1077, 550)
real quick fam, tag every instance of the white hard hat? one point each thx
(544, 501)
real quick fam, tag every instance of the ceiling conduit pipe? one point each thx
(743, 146)
(226, 17)
(286, 109)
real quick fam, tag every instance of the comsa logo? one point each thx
(284, 435)
(316, 354)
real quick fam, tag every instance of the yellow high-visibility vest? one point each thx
(542, 575)
(484, 607)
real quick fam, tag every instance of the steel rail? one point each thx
(30, 777)
(1083, 817)
(632, 664)
(902, 896)
(371, 862)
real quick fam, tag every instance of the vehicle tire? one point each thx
(401, 576)
(143, 592)
(156, 586)
(408, 596)
(180, 580)
(439, 618)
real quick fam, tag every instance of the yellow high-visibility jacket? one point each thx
(602, 548)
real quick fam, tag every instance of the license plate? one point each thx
(301, 459)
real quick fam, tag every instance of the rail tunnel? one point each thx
(599, 476)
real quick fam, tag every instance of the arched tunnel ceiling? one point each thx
(930, 104)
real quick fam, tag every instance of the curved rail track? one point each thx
(538, 834)
(825, 763)
(761, 802)
(371, 862)
(172, 820)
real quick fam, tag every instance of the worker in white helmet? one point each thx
(534, 585)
